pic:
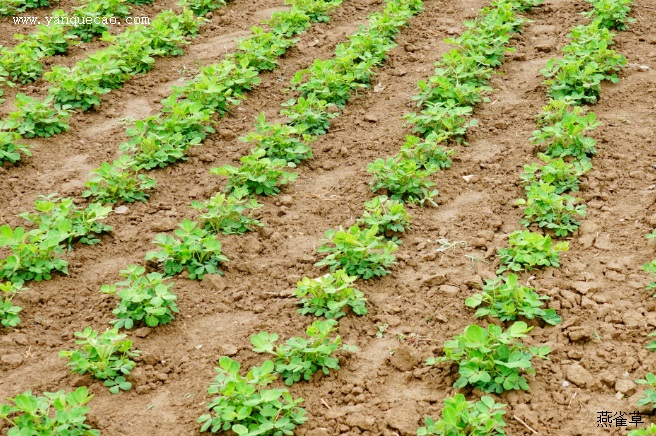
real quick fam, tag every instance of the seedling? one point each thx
(34, 253)
(403, 179)
(445, 118)
(462, 417)
(427, 154)
(506, 299)
(106, 356)
(119, 181)
(229, 214)
(530, 250)
(613, 14)
(490, 359)
(81, 225)
(330, 295)
(144, 298)
(299, 357)
(257, 174)
(10, 148)
(389, 215)
(38, 118)
(557, 212)
(56, 413)
(309, 114)
(359, 252)
(650, 394)
(563, 176)
(244, 406)
(195, 249)
(8, 311)
(280, 141)
(566, 137)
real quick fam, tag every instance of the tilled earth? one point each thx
(384, 388)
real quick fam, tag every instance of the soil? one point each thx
(384, 388)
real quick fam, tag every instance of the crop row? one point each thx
(145, 297)
(185, 121)
(491, 359)
(131, 53)
(12, 7)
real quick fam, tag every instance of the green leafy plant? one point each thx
(649, 394)
(144, 298)
(106, 356)
(81, 225)
(587, 63)
(462, 417)
(10, 148)
(244, 406)
(566, 137)
(34, 253)
(403, 179)
(22, 63)
(490, 359)
(56, 413)
(563, 176)
(262, 49)
(359, 252)
(300, 357)
(426, 153)
(280, 141)
(612, 13)
(530, 250)
(194, 249)
(309, 114)
(446, 118)
(202, 7)
(506, 299)
(226, 213)
(9, 311)
(328, 80)
(119, 181)
(257, 174)
(649, 431)
(329, 295)
(650, 267)
(557, 212)
(79, 88)
(389, 215)
(38, 118)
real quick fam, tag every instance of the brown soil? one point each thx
(383, 389)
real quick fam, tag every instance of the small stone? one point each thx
(344, 152)
(142, 332)
(633, 318)
(286, 200)
(585, 287)
(404, 418)
(603, 242)
(471, 178)
(144, 389)
(12, 360)
(581, 334)
(403, 359)
(121, 210)
(435, 280)
(371, 118)
(625, 386)
(449, 289)
(164, 225)
(579, 376)
(360, 421)
(213, 282)
(229, 350)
